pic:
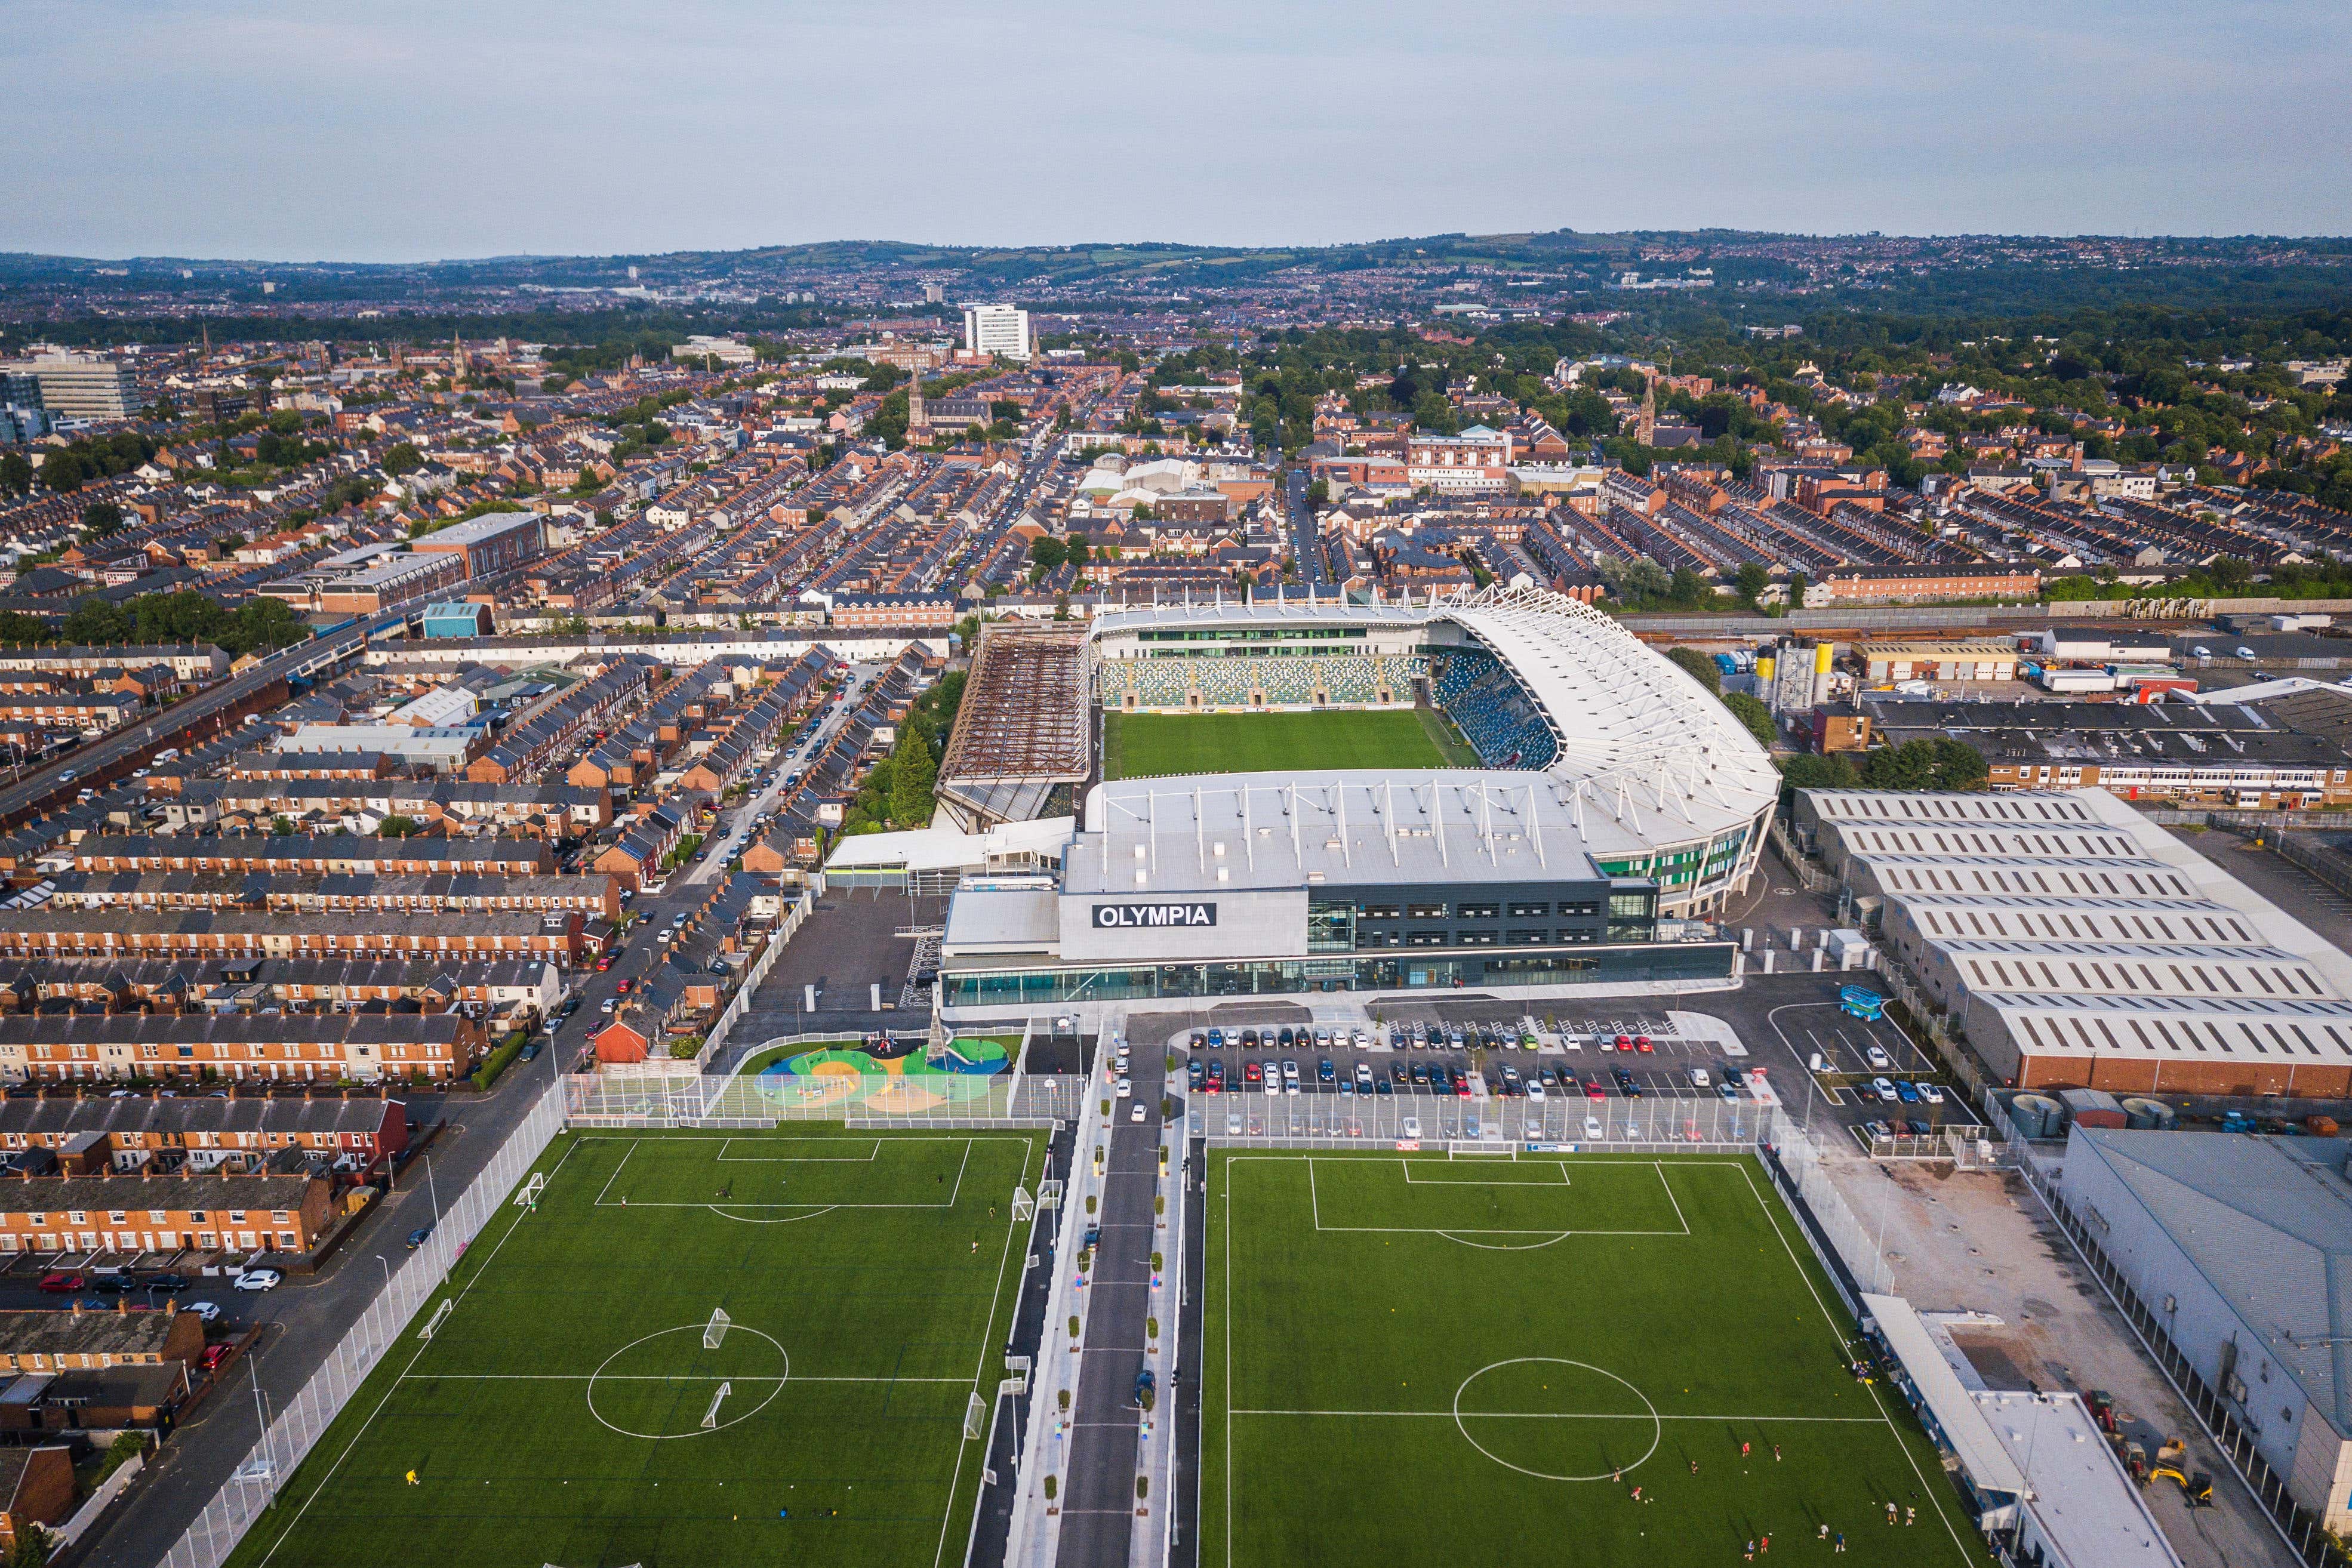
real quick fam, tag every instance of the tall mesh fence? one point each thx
(287, 1438)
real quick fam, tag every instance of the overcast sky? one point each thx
(398, 129)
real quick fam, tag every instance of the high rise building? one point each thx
(80, 386)
(1001, 330)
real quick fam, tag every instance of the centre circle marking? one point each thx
(1657, 1427)
(695, 1329)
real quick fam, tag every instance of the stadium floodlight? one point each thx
(715, 1332)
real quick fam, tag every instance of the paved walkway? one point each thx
(1098, 1489)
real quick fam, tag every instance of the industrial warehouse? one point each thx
(2078, 945)
(1617, 807)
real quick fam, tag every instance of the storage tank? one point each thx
(1823, 653)
(2092, 1108)
(2155, 1115)
(2037, 1115)
(1764, 665)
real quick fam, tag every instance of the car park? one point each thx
(1884, 1089)
(1877, 1058)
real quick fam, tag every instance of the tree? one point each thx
(1910, 766)
(911, 781)
(1752, 580)
(1698, 666)
(1752, 713)
(404, 458)
(1048, 551)
(1318, 494)
(1959, 766)
(101, 518)
(15, 475)
(1835, 771)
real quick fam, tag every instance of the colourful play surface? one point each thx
(836, 1072)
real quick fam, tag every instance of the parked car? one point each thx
(113, 1284)
(1412, 1126)
(260, 1280)
(419, 1237)
(1877, 1058)
(1884, 1089)
(1137, 1114)
(169, 1283)
(215, 1354)
(62, 1281)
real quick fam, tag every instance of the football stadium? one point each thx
(1504, 789)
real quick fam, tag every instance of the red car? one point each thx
(1641, 1042)
(604, 963)
(62, 1282)
(1592, 1089)
(1462, 1086)
(1624, 1042)
(1252, 1073)
(214, 1355)
(623, 989)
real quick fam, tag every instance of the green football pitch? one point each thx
(570, 1407)
(1153, 745)
(1417, 1361)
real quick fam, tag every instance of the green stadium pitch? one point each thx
(696, 1349)
(1428, 1362)
(1155, 746)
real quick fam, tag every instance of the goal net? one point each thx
(714, 1332)
(1023, 1205)
(1471, 1148)
(975, 1417)
(529, 1197)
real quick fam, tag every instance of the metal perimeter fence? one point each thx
(860, 1099)
(287, 1440)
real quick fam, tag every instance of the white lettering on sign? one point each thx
(1110, 916)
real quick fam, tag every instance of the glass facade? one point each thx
(1631, 965)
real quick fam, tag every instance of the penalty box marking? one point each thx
(720, 1207)
(1450, 1232)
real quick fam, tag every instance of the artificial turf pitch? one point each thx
(1422, 1362)
(556, 1415)
(1153, 746)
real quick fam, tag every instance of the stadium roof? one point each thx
(1242, 831)
(1641, 744)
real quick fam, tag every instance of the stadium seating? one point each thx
(1340, 680)
(1479, 694)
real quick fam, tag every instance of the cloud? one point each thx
(241, 128)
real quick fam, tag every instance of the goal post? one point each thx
(1023, 1205)
(529, 1197)
(714, 1332)
(1475, 1148)
(975, 1418)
